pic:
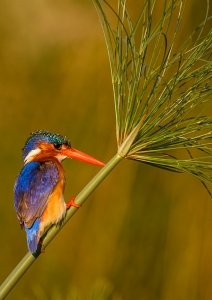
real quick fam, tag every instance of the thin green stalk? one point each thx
(16, 274)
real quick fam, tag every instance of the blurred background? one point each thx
(144, 233)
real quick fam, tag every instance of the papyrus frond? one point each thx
(162, 85)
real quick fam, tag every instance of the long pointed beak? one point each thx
(76, 154)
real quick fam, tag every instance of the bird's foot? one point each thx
(43, 250)
(71, 202)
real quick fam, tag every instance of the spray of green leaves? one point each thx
(161, 87)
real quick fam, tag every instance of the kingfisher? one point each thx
(39, 188)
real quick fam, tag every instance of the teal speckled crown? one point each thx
(43, 136)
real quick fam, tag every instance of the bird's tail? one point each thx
(33, 236)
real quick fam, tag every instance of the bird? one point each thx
(39, 187)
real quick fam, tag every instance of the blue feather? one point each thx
(34, 184)
(33, 236)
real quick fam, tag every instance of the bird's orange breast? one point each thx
(56, 207)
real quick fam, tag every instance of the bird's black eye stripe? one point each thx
(57, 146)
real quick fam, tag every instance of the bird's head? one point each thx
(44, 145)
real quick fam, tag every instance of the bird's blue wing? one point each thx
(33, 186)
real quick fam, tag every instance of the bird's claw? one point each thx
(71, 202)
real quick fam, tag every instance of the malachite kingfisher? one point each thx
(39, 188)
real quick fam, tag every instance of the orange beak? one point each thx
(76, 154)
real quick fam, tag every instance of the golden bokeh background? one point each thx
(145, 233)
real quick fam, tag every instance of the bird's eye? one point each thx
(58, 146)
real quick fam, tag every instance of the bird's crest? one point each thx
(43, 136)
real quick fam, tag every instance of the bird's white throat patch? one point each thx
(60, 157)
(31, 155)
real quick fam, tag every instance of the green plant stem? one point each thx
(29, 259)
